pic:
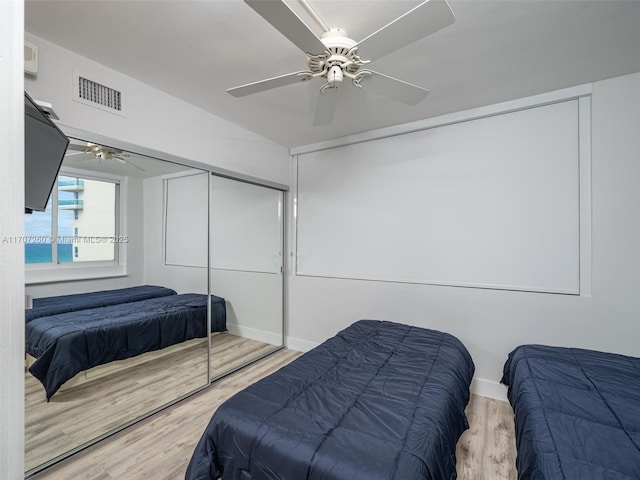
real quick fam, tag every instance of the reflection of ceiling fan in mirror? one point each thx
(336, 58)
(93, 150)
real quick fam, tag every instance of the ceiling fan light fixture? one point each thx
(334, 78)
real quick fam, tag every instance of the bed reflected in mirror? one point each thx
(115, 332)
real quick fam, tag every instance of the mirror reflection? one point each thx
(246, 225)
(115, 331)
(245, 255)
(133, 261)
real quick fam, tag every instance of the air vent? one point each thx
(96, 93)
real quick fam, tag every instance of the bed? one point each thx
(43, 307)
(577, 413)
(66, 344)
(380, 400)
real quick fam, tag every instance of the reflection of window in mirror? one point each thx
(78, 225)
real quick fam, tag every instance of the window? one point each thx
(37, 229)
(78, 225)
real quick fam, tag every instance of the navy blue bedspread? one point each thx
(69, 343)
(43, 307)
(378, 401)
(577, 413)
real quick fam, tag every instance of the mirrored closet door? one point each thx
(125, 238)
(246, 235)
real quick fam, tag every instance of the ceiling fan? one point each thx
(336, 57)
(93, 150)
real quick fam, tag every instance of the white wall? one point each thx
(252, 288)
(181, 278)
(11, 254)
(490, 322)
(186, 216)
(246, 226)
(154, 119)
(254, 303)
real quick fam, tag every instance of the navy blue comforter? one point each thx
(378, 401)
(577, 413)
(69, 343)
(43, 307)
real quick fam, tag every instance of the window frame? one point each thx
(54, 271)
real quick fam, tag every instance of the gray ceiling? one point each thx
(495, 51)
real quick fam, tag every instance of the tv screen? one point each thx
(44, 149)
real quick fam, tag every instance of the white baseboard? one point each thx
(255, 334)
(300, 344)
(489, 388)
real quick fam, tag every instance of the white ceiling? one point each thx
(495, 51)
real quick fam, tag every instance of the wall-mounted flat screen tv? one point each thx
(44, 149)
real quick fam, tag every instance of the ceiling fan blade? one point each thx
(287, 22)
(269, 83)
(393, 88)
(325, 107)
(129, 162)
(72, 154)
(80, 148)
(423, 20)
(87, 156)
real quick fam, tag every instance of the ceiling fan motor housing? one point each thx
(339, 61)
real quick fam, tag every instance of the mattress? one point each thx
(380, 400)
(71, 342)
(43, 307)
(577, 413)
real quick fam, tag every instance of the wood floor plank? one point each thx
(487, 451)
(159, 448)
(76, 416)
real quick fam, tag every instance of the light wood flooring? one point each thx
(159, 448)
(228, 352)
(487, 451)
(76, 416)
